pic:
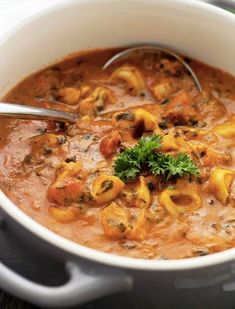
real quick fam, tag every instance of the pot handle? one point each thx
(83, 285)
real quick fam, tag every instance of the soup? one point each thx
(146, 172)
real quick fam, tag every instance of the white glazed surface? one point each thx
(193, 28)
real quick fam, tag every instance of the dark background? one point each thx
(24, 259)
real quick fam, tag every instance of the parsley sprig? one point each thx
(130, 162)
(145, 157)
(169, 166)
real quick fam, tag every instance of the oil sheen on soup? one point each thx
(148, 169)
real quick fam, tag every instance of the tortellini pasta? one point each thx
(123, 119)
(148, 120)
(172, 143)
(138, 195)
(132, 77)
(143, 196)
(162, 90)
(138, 118)
(115, 221)
(45, 144)
(69, 169)
(141, 226)
(226, 129)
(106, 188)
(177, 201)
(220, 182)
(64, 215)
(96, 101)
(70, 95)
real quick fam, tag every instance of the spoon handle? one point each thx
(8, 110)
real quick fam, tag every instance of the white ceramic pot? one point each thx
(193, 28)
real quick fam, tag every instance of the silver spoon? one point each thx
(153, 49)
(18, 111)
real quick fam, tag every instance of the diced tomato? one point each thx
(70, 191)
(110, 143)
(181, 109)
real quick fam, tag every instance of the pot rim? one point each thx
(85, 252)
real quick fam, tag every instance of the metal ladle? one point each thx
(154, 49)
(8, 110)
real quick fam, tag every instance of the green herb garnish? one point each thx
(144, 157)
(130, 162)
(169, 166)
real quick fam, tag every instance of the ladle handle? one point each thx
(8, 110)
